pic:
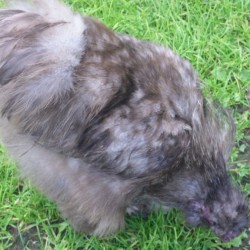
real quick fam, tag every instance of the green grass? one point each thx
(215, 36)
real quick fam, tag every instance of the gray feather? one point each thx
(103, 123)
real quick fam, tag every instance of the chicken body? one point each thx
(103, 123)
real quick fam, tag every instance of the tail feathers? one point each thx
(41, 41)
(40, 26)
(52, 10)
(19, 43)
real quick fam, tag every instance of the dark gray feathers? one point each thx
(101, 122)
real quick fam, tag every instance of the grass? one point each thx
(215, 36)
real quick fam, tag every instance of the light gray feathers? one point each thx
(102, 122)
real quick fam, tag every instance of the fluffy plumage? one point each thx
(103, 123)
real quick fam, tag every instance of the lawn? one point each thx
(215, 36)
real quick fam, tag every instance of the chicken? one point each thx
(104, 124)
